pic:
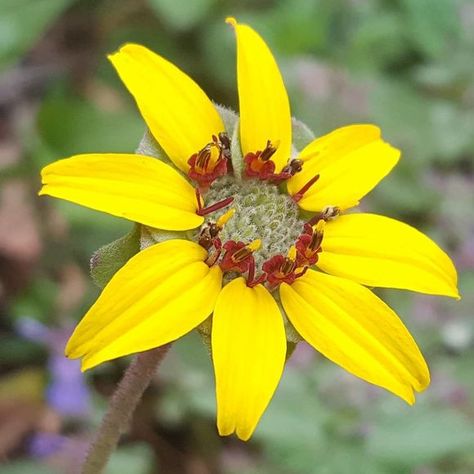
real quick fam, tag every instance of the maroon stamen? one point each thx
(203, 168)
(251, 280)
(208, 237)
(203, 211)
(257, 281)
(279, 269)
(299, 195)
(268, 152)
(308, 246)
(302, 272)
(326, 214)
(213, 257)
(238, 257)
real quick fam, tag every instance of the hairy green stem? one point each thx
(122, 405)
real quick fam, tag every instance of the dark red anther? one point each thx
(210, 162)
(259, 164)
(251, 280)
(209, 235)
(280, 269)
(293, 167)
(308, 245)
(268, 151)
(258, 168)
(299, 195)
(224, 144)
(328, 213)
(213, 257)
(237, 257)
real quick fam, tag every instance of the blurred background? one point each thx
(406, 65)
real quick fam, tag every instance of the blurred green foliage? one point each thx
(22, 22)
(406, 65)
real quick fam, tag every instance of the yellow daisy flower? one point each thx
(256, 262)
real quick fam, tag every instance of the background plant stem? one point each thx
(122, 405)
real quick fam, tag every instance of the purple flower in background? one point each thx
(43, 445)
(67, 391)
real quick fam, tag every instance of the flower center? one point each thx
(261, 212)
(262, 234)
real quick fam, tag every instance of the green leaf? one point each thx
(111, 257)
(292, 428)
(72, 125)
(419, 435)
(431, 24)
(135, 459)
(181, 15)
(26, 467)
(22, 22)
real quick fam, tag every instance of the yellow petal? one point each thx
(263, 101)
(349, 325)
(248, 349)
(379, 251)
(350, 162)
(178, 112)
(158, 296)
(136, 187)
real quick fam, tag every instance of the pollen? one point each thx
(319, 227)
(255, 245)
(292, 253)
(222, 221)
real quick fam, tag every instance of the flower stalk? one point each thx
(122, 405)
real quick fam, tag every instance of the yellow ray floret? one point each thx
(158, 296)
(378, 251)
(350, 162)
(263, 100)
(178, 112)
(136, 187)
(349, 325)
(248, 350)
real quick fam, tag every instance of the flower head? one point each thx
(257, 263)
